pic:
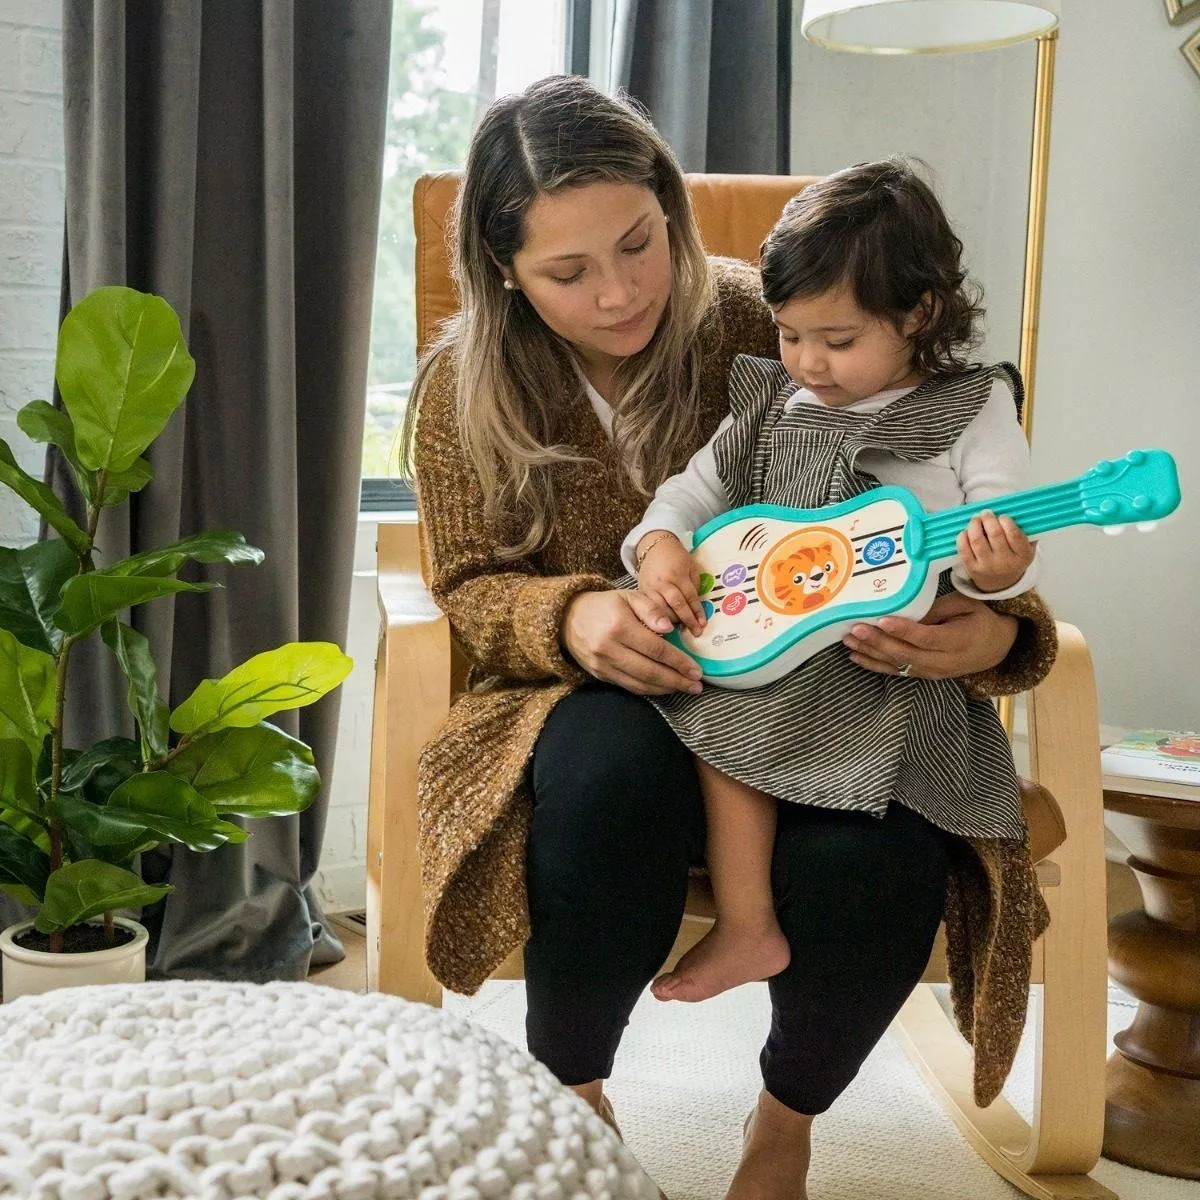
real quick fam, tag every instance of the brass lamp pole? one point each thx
(1039, 168)
(948, 27)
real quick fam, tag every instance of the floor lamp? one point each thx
(948, 27)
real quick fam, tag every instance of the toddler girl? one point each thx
(863, 275)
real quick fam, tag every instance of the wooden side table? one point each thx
(1152, 1115)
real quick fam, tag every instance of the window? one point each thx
(450, 59)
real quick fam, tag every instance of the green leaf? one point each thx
(94, 825)
(20, 893)
(90, 600)
(290, 676)
(118, 484)
(147, 810)
(21, 862)
(101, 768)
(76, 848)
(123, 368)
(26, 692)
(27, 827)
(223, 545)
(31, 581)
(18, 790)
(45, 423)
(133, 653)
(171, 807)
(256, 772)
(86, 889)
(40, 498)
(42, 422)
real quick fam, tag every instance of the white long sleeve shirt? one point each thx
(990, 458)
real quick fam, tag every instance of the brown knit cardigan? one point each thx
(474, 807)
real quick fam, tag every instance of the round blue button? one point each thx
(878, 550)
(708, 609)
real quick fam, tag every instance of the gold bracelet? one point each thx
(641, 557)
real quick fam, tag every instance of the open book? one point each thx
(1163, 754)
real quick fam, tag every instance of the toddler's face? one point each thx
(840, 353)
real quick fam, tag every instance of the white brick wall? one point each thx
(32, 184)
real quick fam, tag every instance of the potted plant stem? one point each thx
(73, 820)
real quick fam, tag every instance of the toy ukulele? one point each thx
(779, 584)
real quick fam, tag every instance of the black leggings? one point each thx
(618, 820)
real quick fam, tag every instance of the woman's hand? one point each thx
(617, 637)
(959, 636)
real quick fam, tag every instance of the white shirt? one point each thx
(990, 458)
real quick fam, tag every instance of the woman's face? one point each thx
(596, 266)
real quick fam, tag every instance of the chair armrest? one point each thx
(1064, 737)
(412, 699)
(1064, 756)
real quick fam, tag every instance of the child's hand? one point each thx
(668, 574)
(994, 551)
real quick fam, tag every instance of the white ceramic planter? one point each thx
(31, 972)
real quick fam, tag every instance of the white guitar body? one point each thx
(775, 594)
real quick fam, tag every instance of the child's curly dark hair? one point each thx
(878, 228)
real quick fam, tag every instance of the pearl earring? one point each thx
(510, 285)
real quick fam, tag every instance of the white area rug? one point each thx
(687, 1075)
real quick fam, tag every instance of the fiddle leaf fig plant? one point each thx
(74, 819)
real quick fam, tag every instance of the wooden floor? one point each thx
(351, 972)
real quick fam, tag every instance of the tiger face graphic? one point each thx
(806, 578)
(804, 570)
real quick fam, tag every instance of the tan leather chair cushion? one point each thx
(1044, 819)
(735, 213)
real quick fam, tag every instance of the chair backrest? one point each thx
(735, 213)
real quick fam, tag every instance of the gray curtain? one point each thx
(716, 76)
(227, 155)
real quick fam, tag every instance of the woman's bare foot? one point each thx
(728, 955)
(593, 1093)
(775, 1154)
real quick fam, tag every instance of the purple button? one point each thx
(733, 575)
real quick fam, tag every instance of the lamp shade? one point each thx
(925, 26)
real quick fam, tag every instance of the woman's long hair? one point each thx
(514, 374)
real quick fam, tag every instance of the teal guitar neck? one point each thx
(779, 584)
(1138, 489)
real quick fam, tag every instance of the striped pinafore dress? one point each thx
(830, 733)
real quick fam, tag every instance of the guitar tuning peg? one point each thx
(1146, 526)
(1113, 530)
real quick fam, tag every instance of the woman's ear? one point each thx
(506, 274)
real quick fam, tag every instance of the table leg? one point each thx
(1152, 1116)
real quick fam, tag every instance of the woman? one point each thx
(588, 362)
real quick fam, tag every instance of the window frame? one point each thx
(386, 493)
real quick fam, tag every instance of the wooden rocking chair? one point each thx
(418, 670)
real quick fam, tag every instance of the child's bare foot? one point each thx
(728, 955)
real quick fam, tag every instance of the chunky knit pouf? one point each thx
(283, 1091)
